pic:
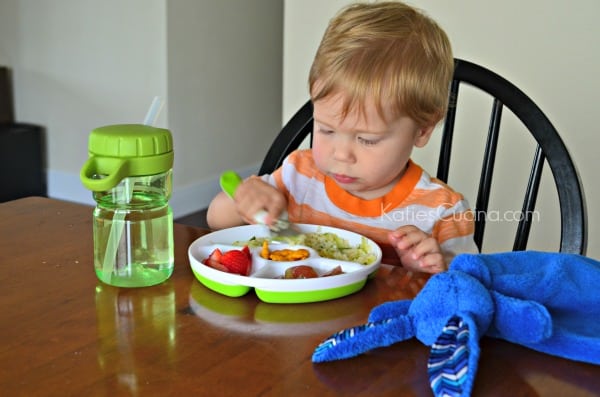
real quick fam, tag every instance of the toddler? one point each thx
(379, 85)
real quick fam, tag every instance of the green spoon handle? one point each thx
(229, 182)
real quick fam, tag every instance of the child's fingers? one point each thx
(424, 247)
(406, 237)
(429, 256)
(255, 196)
(276, 205)
(418, 250)
(433, 263)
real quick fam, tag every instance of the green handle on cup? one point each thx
(90, 170)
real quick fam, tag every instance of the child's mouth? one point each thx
(343, 179)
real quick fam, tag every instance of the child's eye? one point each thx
(324, 130)
(368, 142)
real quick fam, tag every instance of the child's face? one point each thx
(365, 154)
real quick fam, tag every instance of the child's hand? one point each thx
(417, 250)
(254, 195)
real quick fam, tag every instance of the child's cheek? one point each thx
(319, 157)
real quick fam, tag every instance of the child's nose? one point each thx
(342, 151)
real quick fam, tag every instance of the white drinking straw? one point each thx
(153, 111)
(116, 232)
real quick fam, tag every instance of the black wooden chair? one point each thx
(550, 148)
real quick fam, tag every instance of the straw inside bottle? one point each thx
(124, 195)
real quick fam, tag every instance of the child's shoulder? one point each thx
(302, 161)
(300, 155)
(429, 186)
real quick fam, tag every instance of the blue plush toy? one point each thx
(548, 302)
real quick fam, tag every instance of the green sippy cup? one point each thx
(129, 171)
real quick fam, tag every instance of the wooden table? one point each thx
(64, 333)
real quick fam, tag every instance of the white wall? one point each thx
(550, 49)
(225, 75)
(78, 65)
(81, 64)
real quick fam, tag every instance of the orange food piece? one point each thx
(288, 255)
(284, 255)
(264, 252)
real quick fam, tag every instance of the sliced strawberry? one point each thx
(214, 260)
(237, 262)
(216, 255)
(215, 265)
(246, 251)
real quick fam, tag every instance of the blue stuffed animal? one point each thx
(548, 302)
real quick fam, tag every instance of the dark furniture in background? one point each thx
(550, 148)
(22, 150)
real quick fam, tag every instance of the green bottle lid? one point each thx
(124, 150)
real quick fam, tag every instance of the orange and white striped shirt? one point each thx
(417, 199)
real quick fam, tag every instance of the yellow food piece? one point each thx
(284, 255)
(264, 252)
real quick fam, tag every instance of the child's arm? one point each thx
(418, 250)
(222, 213)
(251, 196)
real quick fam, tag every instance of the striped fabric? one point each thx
(344, 337)
(353, 341)
(417, 200)
(448, 360)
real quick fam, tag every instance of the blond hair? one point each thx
(390, 51)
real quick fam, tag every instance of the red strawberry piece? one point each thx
(215, 265)
(216, 255)
(214, 260)
(237, 262)
(246, 251)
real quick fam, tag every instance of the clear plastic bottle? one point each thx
(130, 174)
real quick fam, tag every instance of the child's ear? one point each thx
(423, 135)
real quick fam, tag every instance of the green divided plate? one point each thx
(266, 276)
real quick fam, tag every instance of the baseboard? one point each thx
(68, 187)
(184, 201)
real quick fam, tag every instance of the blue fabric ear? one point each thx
(353, 341)
(389, 310)
(453, 359)
(388, 323)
